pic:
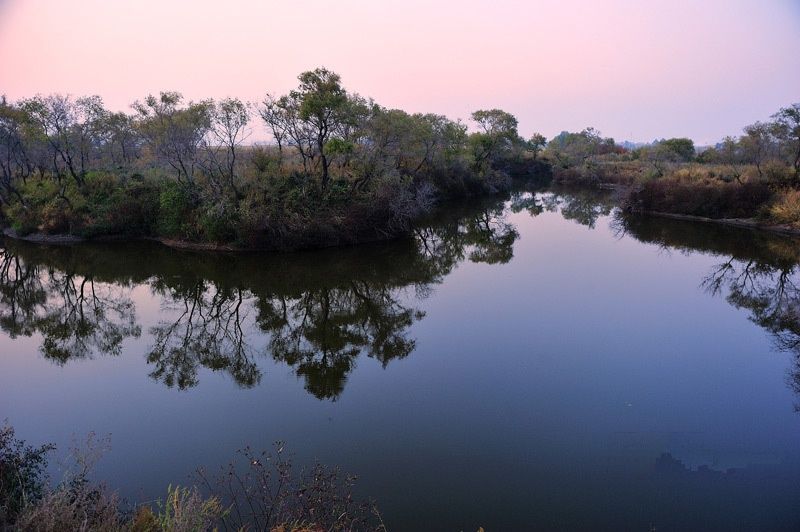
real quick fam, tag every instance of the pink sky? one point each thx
(635, 70)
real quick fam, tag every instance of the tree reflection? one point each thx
(482, 234)
(75, 315)
(321, 333)
(319, 312)
(759, 273)
(207, 332)
(316, 312)
(583, 206)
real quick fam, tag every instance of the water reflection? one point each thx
(316, 312)
(583, 206)
(319, 312)
(75, 315)
(758, 272)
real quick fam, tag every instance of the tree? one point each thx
(683, 148)
(323, 104)
(121, 140)
(318, 119)
(497, 135)
(276, 117)
(756, 144)
(578, 149)
(14, 162)
(229, 119)
(175, 133)
(536, 144)
(730, 154)
(787, 129)
(71, 129)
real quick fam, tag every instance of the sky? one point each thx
(634, 70)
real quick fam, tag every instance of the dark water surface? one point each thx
(539, 363)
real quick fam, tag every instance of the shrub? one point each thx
(266, 495)
(184, 510)
(777, 172)
(175, 207)
(22, 480)
(710, 199)
(786, 210)
(80, 506)
(218, 223)
(269, 494)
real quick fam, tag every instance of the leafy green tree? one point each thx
(317, 112)
(323, 105)
(496, 137)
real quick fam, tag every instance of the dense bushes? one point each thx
(343, 169)
(704, 198)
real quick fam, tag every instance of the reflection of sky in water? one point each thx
(542, 390)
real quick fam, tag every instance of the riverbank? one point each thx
(748, 223)
(764, 208)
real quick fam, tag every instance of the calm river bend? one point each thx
(535, 362)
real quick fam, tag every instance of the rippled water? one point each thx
(536, 362)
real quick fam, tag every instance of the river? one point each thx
(536, 361)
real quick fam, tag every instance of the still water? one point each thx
(535, 362)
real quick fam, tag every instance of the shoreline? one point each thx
(183, 245)
(65, 239)
(748, 223)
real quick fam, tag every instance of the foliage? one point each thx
(705, 198)
(344, 169)
(266, 495)
(22, 479)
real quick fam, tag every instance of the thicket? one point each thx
(341, 168)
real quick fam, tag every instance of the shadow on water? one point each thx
(319, 311)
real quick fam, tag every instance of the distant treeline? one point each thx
(342, 169)
(767, 150)
(755, 175)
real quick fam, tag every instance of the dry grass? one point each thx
(786, 208)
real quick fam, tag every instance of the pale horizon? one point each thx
(635, 72)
